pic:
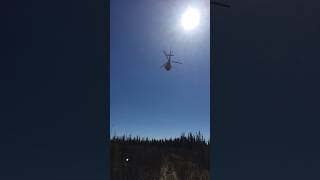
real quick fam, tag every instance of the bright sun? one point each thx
(190, 19)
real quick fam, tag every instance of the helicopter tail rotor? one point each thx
(171, 53)
(168, 55)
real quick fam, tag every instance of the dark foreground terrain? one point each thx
(183, 158)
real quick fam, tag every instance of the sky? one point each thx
(146, 100)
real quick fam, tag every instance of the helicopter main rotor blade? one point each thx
(164, 52)
(163, 65)
(167, 55)
(176, 62)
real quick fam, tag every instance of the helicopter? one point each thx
(168, 64)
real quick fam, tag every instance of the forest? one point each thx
(141, 158)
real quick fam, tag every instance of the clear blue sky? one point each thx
(147, 100)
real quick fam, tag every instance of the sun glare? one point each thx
(190, 19)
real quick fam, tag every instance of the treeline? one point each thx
(189, 139)
(138, 158)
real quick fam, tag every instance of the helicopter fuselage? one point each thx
(168, 66)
